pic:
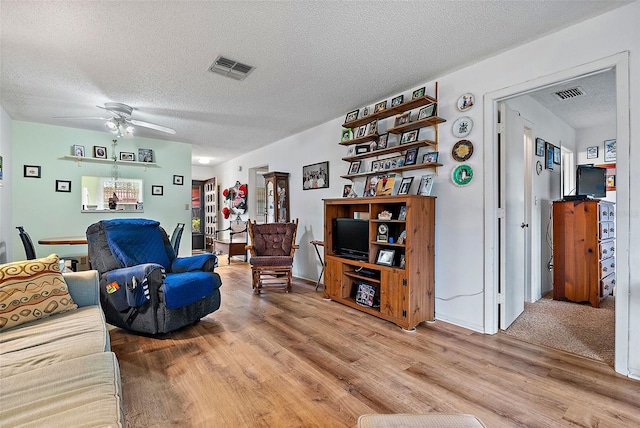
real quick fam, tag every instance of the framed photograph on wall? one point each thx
(32, 171)
(557, 155)
(63, 186)
(610, 150)
(548, 156)
(178, 180)
(539, 147)
(157, 190)
(592, 152)
(316, 176)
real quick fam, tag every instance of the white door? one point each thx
(514, 224)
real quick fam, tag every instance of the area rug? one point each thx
(573, 327)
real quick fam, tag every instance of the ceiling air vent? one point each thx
(230, 68)
(570, 93)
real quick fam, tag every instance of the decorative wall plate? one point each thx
(462, 127)
(466, 101)
(462, 175)
(462, 150)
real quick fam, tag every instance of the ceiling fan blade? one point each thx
(152, 126)
(81, 117)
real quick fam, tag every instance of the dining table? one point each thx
(63, 240)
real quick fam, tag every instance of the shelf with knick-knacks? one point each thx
(81, 159)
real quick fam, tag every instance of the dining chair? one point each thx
(176, 236)
(30, 250)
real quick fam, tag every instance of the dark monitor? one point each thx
(351, 238)
(591, 181)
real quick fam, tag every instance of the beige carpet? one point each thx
(572, 327)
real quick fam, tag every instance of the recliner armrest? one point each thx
(203, 262)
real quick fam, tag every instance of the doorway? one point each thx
(494, 212)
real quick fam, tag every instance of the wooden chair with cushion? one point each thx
(272, 247)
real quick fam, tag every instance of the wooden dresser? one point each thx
(583, 250)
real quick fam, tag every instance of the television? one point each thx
(351, 238)
(591, 181)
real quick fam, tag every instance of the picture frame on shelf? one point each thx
(371, 186)
(403, 119)
(409, 137)
(402, 262)
(382, 141)
(77, 150)
(592, 152)
(540, 147)
(127, 156)
(347, 134)
(402, 215)
(346, 190)
(372, 127)
(375, 166)
(362, 131)
(557, 155)
(351, 150)
(426, 184)
(32, 171)
(351, 116)
(396, 101)
(610, 150)
(362, 148)
(386, 182)
(178, 180)
(418, 93)
(63, 186)
(410, 156)
(157, 190)
(382, 105)
(426, 111)
(366, 111)
(354, 167)
(405, 185)
(549, 156)
(385, 256)
(145, 155)
(99, 152)
(431, 157)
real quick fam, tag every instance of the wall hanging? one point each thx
(235, 200)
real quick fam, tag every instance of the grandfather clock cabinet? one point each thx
(277, 190)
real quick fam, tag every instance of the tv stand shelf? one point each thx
(405, 293)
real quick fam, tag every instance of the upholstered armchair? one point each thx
(144, 286)
(272, 247)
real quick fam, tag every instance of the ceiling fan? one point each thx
(120, 122)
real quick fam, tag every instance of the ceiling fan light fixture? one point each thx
(112, 126)
(129, 129)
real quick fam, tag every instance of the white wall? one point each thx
(460, 221)
(6, 189)
(45, 213)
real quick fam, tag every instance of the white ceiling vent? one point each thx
(231, 68)
(570, 93)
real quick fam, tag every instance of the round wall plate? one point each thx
(462, 174)
(462, 150)
(538, 167)
(462, 127)
(466, 101)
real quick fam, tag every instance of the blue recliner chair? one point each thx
(144, 286)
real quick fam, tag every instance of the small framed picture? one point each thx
(362, 131)
(380, 106)
(372, 128)
(178, 180)
(366, 111)
(610, 150)
(375, 166)
(362, 148)
(410, 156)
(405, 184)
(347, 134)
(539, 147)
(418, 93)
(32, 171)
(355, 167)
(63, 186)
(382, 141)
(127, 156)
(346, 190)
(402, 215)
(157, 190)
(351, 151)
(557, 154)
(145, 155)
(403, 119)
(99, 152)
(351, 116)
(431, 157)
(426, 184)
(77, 150)
(409, 137)
(592, 152)
(397, 100)
(549, 156)
(426, 111)
(385, 257)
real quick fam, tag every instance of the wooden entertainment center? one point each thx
(405, 289)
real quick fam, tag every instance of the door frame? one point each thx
(620, 64)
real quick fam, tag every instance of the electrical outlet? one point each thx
(186, 207)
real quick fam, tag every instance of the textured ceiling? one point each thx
(315, 60)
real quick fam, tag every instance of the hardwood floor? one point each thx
(297, 360)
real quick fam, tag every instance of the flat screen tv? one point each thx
(591, 181)
(351, 238)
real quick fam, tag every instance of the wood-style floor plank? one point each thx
(297, 360)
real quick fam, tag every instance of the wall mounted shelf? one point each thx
(81, 159)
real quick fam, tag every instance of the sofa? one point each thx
(144, 286)
(56, 367)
